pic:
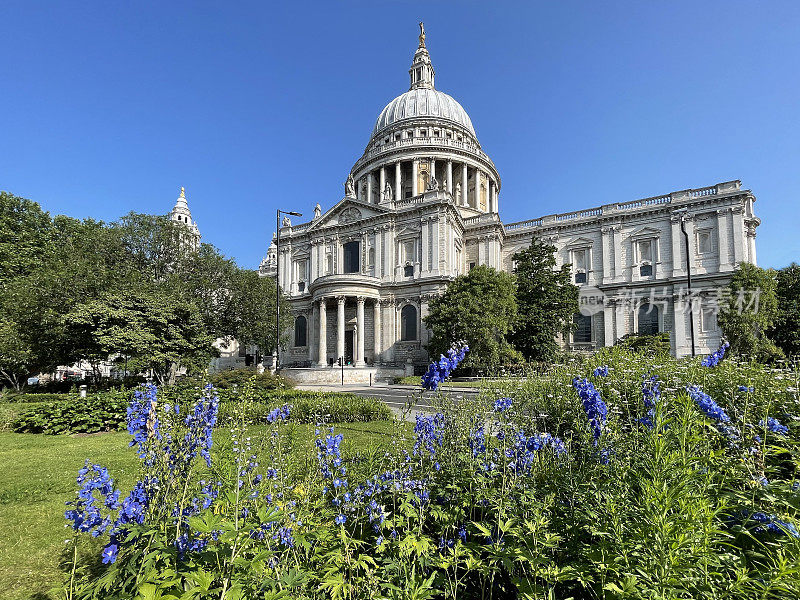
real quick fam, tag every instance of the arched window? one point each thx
(300, 330)
(408, 323)
(648, 319)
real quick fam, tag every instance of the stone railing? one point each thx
(420, 142)
(644, 203)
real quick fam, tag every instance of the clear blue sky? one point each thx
(108, 107)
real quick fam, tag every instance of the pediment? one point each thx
(347, 211)
(645, 232)
(407, 231)
(580, 242)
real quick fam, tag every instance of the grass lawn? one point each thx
(37, 476)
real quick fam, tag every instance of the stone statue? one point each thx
(350, 187)
(458, 191)
(317, 211)
(421, 34)
(444, 185)
(287, 222)
(433, 184)
(387, 193)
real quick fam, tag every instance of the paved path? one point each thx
(394, 396)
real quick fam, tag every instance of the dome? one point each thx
(423, 102)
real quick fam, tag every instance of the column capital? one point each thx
(361, 299)
(341, 299)
(322, 300)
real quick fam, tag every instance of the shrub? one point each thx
(314, 407)
(65, 413)
(237, 378)
(93, 414)
(652, 345)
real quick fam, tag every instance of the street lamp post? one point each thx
(278, 214)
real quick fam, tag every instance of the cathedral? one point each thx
(421, 206)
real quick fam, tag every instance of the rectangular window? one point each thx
(580, 277)
(352, 256)
(645, 270)
(704, 241)
(646, 251)
(583, 329)
(471, 266)
(708, 319)
(579, 258)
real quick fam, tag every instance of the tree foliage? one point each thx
(748, 311)
(24, 236)
(60, 279)
(479, 308)
(786, 329)
(547, 301)
(156, 332)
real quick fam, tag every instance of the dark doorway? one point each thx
(349, 345)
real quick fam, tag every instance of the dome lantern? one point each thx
(421, 71)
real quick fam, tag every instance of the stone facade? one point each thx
(421, 207)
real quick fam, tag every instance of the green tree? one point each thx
(253, 301)
(84, 261)
(153, 243)
(748, 310)
(17, 361)
(547, 301)
(25, 235)
(156, 332)
(786, 330)
(479, 308)
(208, 279)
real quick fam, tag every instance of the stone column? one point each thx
(496, 198)
(679, 313)
(450, 177)
(376, 327)
(383, 183)
(677, 244)
(378, 255)
(369, 188)
(340, 328)
(608, 325)
(425, 246)
(606, 233)
(739, 251)
(359, 362)
(464, 185)
(489, 196)
(398, 181)
(619, 273)
(477, 188)
(433, 167)
(312, 331)
(392, 333)
(722, 239)
(322, 351)
(414, 176)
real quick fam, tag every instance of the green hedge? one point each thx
(315, 407)
(107, 411)
(93, 414)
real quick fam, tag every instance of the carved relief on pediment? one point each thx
(348, 215)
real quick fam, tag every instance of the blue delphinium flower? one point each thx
(440, 370)
(712, 360)
(774, 525)
(651, 393)
(502, 405)
(430, 433)
(109, 554)
(601, 371)
(774, 426)
(744, 388)
(340, 520)
(593, 405)
(711, 409)
(279, 414)
(142, 421)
